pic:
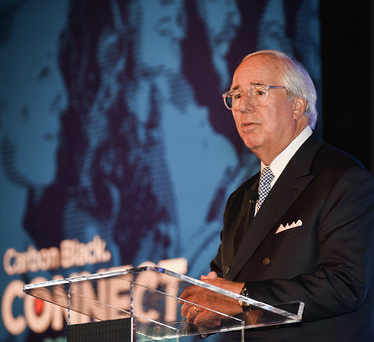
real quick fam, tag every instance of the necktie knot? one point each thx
(264, 186)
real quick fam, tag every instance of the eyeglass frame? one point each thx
(267, 87)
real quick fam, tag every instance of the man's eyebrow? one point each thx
(235, 88)
(258, 83)
(252, 84)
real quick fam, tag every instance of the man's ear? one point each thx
(299, 106)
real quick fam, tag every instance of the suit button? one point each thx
(226, 269)
(266, 261)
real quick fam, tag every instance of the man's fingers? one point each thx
(185, 309)
(212, 275)
(192, 313)
(185, 293)
(208, 319)
(189, 291)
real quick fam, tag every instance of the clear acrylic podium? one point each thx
(146, 301)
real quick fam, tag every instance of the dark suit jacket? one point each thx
(327, 262)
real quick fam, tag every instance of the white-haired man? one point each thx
(311, 237)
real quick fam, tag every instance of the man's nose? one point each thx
(245, 103)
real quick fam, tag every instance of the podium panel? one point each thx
(117, 330)
(148, 300)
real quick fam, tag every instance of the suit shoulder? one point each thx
(331, 158)
(333, 167)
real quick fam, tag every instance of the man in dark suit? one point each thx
(311, 237)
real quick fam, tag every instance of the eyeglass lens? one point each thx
(257, 93)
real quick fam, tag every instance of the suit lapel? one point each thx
(285, 191)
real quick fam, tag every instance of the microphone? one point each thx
(253, 196)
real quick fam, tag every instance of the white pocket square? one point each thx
(289, 226)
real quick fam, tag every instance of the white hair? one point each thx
(297, 82)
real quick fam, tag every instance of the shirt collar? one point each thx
(281, 160)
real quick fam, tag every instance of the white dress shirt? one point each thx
(281, 160)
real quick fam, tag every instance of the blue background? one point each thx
(112, 125)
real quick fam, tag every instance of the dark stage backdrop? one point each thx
(347, 51)
(116, 148)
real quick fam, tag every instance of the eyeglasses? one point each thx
(257, 91)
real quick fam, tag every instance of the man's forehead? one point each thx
(258, 69)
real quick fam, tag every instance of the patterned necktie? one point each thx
(264, 186)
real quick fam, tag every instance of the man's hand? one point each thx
(206, 299)
(211, 275)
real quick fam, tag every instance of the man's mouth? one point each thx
(247, 124)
